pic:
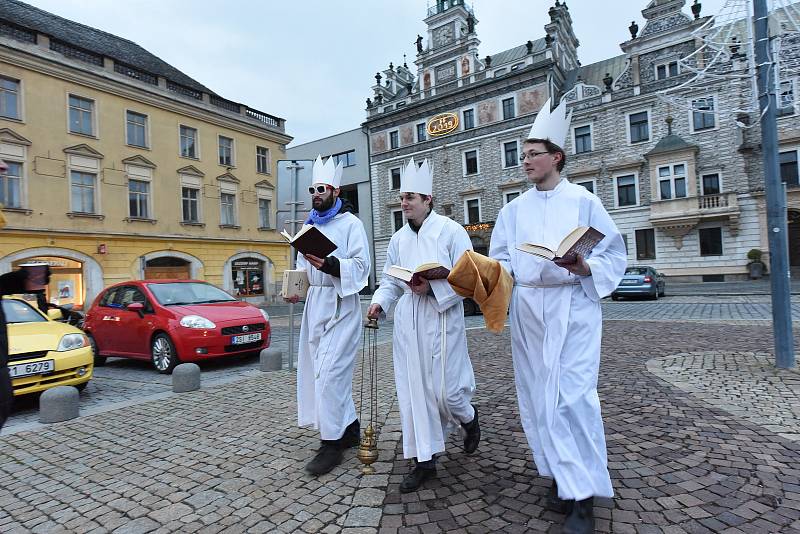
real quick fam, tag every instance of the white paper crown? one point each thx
(552, 125)
(327, 173)
(417, 179)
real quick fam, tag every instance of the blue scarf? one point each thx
(315, 217)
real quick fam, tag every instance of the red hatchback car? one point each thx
(173, 321)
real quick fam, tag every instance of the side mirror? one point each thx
(137, 307)
(55, 314)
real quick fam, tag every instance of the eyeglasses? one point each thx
(531, 155)
(319, 189)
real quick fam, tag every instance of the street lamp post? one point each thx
(294, 168)
(776, 202)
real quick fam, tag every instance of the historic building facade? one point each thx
(681, 176)
(122, 167)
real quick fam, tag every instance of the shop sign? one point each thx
(247, 264)
(442, 124)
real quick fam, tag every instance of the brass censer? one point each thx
(368, 447)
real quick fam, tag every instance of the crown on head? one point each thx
(552, 125)
(417, 178)
(327, 173)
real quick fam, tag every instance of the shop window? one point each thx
(248, 277)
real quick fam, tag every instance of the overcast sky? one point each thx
(312, 62)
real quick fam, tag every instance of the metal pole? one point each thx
(295, 168)
(776, 211)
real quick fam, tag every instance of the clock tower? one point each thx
(452, 50)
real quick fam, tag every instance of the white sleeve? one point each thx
(354, 266)
(390, 289)
(608, 259)
(498, 246)
(442, 290)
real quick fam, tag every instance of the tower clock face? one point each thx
(443, 35)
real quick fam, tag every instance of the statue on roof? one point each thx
(419, 44)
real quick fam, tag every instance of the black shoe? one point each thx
(472, 434)
(328, 456)
(351, 436)
(415, 478)
(581, 518)
(554, 503)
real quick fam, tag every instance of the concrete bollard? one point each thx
(186, 377)
(59, 404)
(271, 360)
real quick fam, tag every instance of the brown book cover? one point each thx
(580, 241)
(310, 240)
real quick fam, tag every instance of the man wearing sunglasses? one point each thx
(331, 329)
(556, 322)
(432, 369)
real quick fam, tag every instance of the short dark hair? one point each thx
(424, 197)
(552, 148)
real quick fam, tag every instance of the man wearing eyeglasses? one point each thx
(556, 322)
(331, 328)
(433, 373)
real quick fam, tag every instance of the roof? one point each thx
(594, 73)
(516, 53)
(671, 143)
(91, 39)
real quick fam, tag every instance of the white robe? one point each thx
(431, 403)
(556, 332)
(331, 331)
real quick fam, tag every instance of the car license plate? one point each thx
(245, 338)
(33, 368)
(628, 283)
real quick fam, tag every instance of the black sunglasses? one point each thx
(319, 189)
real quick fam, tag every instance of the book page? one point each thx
(400, 273)
(537, 250)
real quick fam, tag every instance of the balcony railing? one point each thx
(713, 201)
(691, 210)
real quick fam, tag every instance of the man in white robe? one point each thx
(332, 322)
(556, 322)
(433, 372)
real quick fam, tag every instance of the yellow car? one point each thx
(43, 353)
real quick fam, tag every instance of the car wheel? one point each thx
(81, 387)
(163, 354)
(99, 361)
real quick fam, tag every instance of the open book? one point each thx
(579, 241)
(309, 240)
(429, 271)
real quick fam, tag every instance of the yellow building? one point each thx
(122, 167)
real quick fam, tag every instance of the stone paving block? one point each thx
(142, 525)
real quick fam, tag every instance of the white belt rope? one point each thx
(562, 284)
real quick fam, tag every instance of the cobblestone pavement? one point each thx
(679, 462)
(699, 429)
(738, 382)
(225, 458)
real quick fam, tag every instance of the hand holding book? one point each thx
(578, 243)
(578, 266)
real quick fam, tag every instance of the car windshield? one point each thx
(636, 270)
(17, 311)
(175, 293)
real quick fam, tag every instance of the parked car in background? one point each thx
(173, 321)
(43, 353)
(641, 281)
